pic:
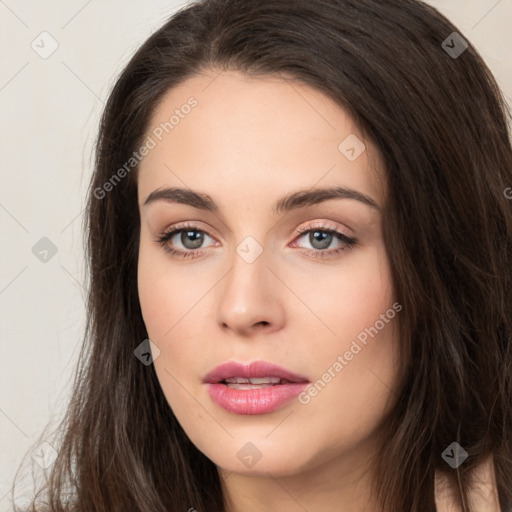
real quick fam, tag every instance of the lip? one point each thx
(258, 400)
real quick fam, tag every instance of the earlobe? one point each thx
(483, 496)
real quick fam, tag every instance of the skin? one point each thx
(248, 143)
(482, 498)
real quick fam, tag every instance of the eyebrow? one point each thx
(292, 201)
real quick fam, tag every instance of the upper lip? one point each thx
(255, 369)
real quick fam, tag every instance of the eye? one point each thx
(192, 238)
(322, 237)
(189, 236)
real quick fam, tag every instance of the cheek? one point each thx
(166, 293)
(175, 308)
(361, 392)
(154, 302)
(356, 361)
(347, 299)
(165, 296)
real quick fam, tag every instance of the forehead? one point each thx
(246, 133)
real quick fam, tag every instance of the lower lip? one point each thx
(254, 401)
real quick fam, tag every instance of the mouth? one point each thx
(256, 388)
(257, 373)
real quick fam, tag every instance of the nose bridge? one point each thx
(247, 276)
(247, 296)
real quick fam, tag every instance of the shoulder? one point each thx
(484, 494)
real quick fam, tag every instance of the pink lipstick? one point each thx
(255, 388)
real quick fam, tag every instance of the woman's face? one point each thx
(246, 286)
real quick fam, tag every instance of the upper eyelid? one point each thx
(311, 225)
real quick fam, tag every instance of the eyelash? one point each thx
(163, 238)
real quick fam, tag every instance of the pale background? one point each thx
(49, 115)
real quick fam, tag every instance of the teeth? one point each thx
(254, 380)
(265, 380)
(249, 386)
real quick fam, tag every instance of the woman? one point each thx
(300, 242)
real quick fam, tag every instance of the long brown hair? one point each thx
(437, 117)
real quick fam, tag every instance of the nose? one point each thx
(250, 298)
